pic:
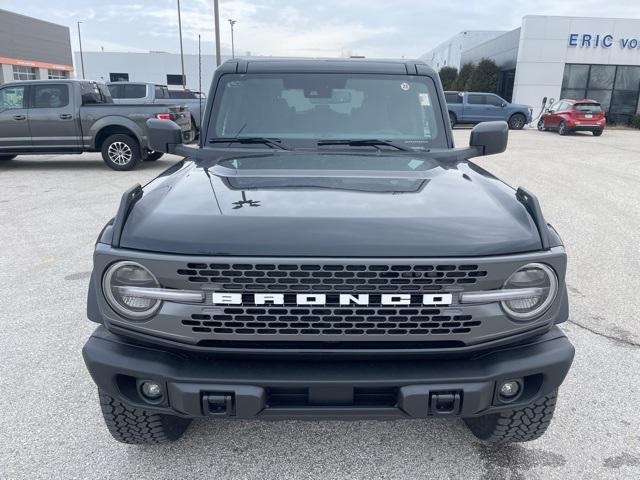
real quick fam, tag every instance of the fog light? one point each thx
(151, 390)
(509, 389)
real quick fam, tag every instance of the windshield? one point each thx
(587, 107)
(307, 106)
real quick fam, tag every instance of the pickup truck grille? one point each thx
(273, 277)
(375, 303)
(371, 321)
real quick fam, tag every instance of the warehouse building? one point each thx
(449, 52)
(32, 49)
(567, 57)
(157, 67)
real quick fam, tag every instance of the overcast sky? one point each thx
(374, 28)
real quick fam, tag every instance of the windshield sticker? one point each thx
(423, 98)
(413, 164)
(404, 86)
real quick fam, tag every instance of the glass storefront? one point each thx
(616, 87)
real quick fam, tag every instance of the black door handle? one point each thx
(19, 117)
(65, 116)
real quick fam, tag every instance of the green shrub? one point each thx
(448, 77)
(635, 121)
(461, 83)
(484, 77)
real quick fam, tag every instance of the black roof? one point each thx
(328, 65)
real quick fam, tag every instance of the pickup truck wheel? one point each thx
(121, 152)
(136, 426)
(153, 156)
(517, 121)
(519, 425)
(7, 157)
(452, 119)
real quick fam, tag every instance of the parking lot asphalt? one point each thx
(52, 208)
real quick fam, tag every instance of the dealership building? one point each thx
(32, 49)
(564, 57)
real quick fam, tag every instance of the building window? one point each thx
(24, 73)
(616, 88)
(58, 74)
(575, 76)
(176, 80)
(119, 77)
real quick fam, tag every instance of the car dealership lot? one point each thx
(51, 210)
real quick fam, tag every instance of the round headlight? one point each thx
(534, 276)
(129, 274)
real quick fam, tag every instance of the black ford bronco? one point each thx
(326, 252)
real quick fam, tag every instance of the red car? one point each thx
(574, 115)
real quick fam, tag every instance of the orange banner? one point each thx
(31, 63)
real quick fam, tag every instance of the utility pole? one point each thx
(232, 23)
(80, 42)
(216, 21)
(184, 86)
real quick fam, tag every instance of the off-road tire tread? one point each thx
(137, 426)
(520, 425)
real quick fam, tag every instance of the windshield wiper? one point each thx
(271, 142)
(369, 142)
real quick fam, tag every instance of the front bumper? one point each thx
(199, 386)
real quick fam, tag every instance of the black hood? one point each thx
(259, 206)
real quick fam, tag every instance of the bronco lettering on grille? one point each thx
(322, 299)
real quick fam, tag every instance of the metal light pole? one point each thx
(184, 86)
(216, 22)
(81, 56)
(232, 23)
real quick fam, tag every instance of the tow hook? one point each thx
(444, 403)
(218, 404)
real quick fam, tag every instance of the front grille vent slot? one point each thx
(265, 277)
(343, 321)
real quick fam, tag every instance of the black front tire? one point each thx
(597, 133)
(4, 158)
(121, 152)
(541, 126)
(136, 426)
(562, 129)
(517, 121)
(153, 156)
(519, 425)
(452, 119)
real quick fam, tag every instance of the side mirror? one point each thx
(490, 137)
(504, 104)
(164, 135)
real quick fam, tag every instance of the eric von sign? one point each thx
(599, 40)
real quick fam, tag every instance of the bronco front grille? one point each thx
(257, 277)
(286, 320)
